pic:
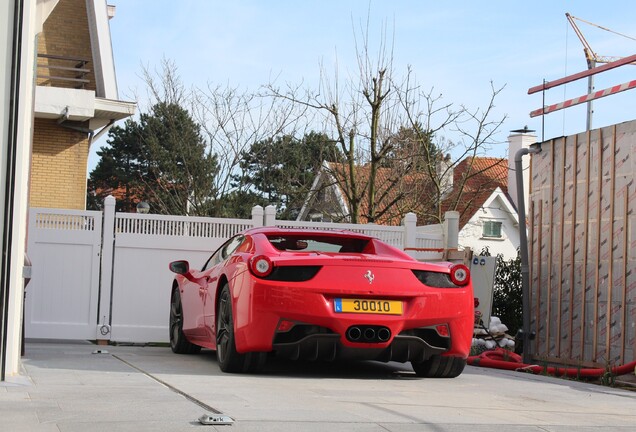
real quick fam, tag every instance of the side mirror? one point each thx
(179, 267)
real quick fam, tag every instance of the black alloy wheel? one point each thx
(229, 359)
(178, 342)
(440, 367)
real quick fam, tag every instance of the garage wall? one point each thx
(581, 218)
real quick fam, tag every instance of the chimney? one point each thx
(519, 139)
(445, 175)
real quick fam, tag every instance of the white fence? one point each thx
(128, 301)
(144, 245)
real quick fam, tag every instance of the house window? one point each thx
(492, 229)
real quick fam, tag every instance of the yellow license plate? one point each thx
(384, 307)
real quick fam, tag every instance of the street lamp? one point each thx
(143, 207)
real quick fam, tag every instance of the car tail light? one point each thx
(460, 275)
(261, 266)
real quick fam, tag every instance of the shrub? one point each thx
(507, 298)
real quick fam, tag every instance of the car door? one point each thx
(193, 296)
(193, 326)
(212, 283)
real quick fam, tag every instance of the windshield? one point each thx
(318, 243)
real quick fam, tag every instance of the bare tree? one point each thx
(476, 132)
(391, 133)
(231, 120)
(358, 115)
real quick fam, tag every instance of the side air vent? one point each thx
(435, 279)
(293, 273)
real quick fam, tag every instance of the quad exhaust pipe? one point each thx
(384, 334)
(354, 333)
(368, 334)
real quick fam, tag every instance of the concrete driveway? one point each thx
(69, 387)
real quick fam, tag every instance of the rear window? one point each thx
(319, 243)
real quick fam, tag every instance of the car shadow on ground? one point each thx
(64, 355)
(279, 367)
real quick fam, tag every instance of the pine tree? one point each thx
(161, 159)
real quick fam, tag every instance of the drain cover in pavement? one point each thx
(215, 419)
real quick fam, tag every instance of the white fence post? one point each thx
(105, 284)
(451, 230)
(270, 215)
(410, 225)
(257, 216)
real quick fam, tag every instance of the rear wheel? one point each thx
(229, 359)
(440, 367)
(178, 342)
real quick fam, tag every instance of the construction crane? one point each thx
(592, 58)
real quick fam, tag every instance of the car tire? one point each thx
(229, 359)
(440, 367)
(178, 342)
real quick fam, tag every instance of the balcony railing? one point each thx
(62, 71)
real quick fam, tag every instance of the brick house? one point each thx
(396, 195)
(76, 99)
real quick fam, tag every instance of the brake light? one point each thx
(261, 266)
(459, 274)
(285, 326)
(442, 330)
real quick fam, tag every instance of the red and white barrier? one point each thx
(583, 99)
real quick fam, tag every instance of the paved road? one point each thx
(68, 388)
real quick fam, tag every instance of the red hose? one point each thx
(507, 360)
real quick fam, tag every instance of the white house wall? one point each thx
(471, 234)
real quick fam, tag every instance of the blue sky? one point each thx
(456, 47)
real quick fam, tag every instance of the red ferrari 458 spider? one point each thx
(322, 295)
